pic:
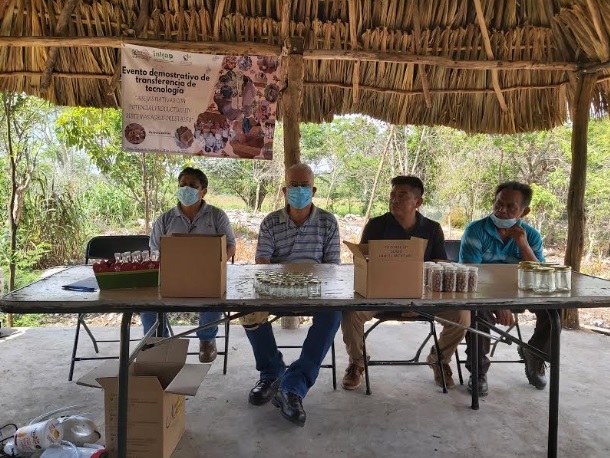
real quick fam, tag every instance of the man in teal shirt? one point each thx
(503, 237)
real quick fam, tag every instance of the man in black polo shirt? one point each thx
(403, 221)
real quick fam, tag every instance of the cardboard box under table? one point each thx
(389, 268)
(159, 379)
(193, 265)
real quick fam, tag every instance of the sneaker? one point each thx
(353, 377)
(535, 370)
(483, 388)
(438, 377)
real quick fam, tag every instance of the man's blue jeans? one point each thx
(302, 374)
(209, 334)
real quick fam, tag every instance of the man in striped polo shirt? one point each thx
(299, 232)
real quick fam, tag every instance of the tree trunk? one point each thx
(578, 180)
(330, 188)
(13, 204)
(145, 189)
(379, 167)
(291, 109)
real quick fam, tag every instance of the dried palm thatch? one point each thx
(495, 66)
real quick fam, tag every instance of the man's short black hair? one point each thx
(526, 191)
(409, 180)
(197, 174)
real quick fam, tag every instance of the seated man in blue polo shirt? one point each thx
(404, 221)
(503, 237)
(193, 215)
(303, 233)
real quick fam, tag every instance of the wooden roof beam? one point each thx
(62, 25)
(353, 34)
(285, 20)
(599, 28)
(405, 58)
(490, 55)
(220, 47)
(450, 91)
(421, 67)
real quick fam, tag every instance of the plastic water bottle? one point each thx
(78, 430)
(38, 436)
(67, 451)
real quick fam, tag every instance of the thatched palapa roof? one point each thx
(497, 66)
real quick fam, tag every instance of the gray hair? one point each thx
(301, 168)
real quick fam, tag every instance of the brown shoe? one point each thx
(353, 377)
(207, 351)
(438, 377)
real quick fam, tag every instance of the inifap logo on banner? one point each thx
(200, 104)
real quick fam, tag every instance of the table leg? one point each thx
(160, 324)
(123, 386)
(554, 386)
(474, 359)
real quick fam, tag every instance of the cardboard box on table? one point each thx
(193, 265)
(389, 268)
(159, 379)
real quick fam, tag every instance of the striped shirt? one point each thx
(209, 220)
(317, 241)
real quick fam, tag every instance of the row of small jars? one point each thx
(544, 277)
(287, 284)
(450, 277)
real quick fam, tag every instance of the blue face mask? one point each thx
(299, 197)
(503, 223)
(187, 196)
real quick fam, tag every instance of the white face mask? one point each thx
(503, 223)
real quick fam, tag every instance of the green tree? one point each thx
(142, 175)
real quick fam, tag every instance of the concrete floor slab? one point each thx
(407, 415)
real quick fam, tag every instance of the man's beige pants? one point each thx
(352, 325)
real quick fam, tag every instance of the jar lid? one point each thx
(450, 267)
(545, 270)
(528, 268)
(462, 268)
(549, 264)
(528, 263)
(563, 268)
(473, 268)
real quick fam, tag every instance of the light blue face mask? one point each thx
(503, 223)
(299, 197)
(187, 196)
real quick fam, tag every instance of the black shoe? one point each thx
(534, 368)
(483, 388)
(291, 407)
(263, 391)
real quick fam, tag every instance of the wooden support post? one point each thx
(291, 99)
(291, 109)
(578, 180)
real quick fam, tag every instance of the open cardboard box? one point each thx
(389, 268)
(159, 380)
(193, 265)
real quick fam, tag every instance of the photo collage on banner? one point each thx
(199, 104)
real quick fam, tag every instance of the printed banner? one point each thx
(200, 104)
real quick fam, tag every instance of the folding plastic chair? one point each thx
(103, 247)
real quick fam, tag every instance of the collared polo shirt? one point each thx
(387, 227)
(316, 241)
(481, 244)
(209, 220)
